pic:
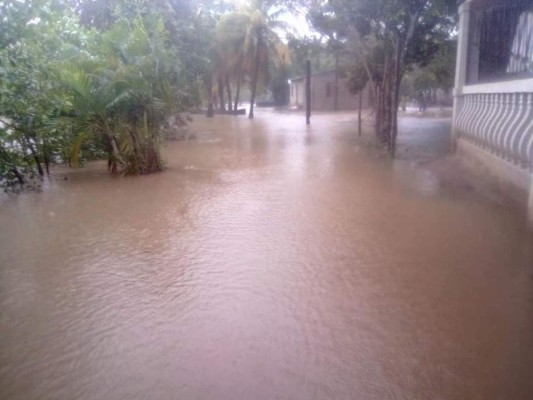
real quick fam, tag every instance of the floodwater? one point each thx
(270, 261)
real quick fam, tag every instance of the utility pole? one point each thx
(359, 113)
(308, 92)
(336, 98)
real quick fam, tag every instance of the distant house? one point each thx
(493, 95)
(324, 97)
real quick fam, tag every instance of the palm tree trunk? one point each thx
(237, 90)
(116, 156)
(237, 94)
(256, 74)
(221, 93)
(210, 111)
(228, 89)
(394, 98)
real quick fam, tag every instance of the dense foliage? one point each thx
(87, 78)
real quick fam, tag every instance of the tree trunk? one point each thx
(37, 161)
(238, 85)
(237, 94)
(46, 159)
(228, 89)
(19, 176)
(400, 54)
(256, 74)
(384, 110)
(47, 164)
(215, 101)
(29, 145)
(387, 98)
(115, 152)
(373, 88)
(381, 112)
(24, 146)
(395, 98)
(210, 112)
(221, 93)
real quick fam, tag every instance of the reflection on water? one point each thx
(269, 261)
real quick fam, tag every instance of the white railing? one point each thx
(501, 123)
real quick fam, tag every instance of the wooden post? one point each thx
(308, 92)
(336, 98)
(360, 107)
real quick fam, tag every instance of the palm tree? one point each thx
(262, 39)
(247, 44)
(126, 95)
(231, 52)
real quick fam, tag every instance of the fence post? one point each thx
(308, 92)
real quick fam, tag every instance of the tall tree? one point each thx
(263, 40)
(231, 51)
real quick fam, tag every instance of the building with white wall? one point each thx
(493, 95)
(327, 93)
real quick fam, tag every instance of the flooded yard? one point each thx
(269, 261)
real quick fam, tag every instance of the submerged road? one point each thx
(270, 261)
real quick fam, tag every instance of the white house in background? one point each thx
(493, 95)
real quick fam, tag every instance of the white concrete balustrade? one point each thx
(500, 123)
(493, 120)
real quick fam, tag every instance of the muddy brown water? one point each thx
(270, 261)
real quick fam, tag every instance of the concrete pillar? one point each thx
(530, 206)
(461, 66)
